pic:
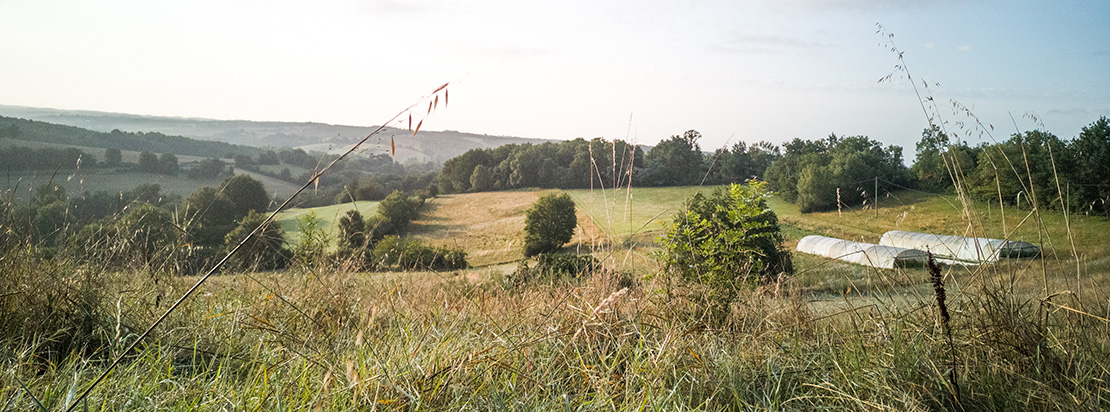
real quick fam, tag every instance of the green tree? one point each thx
(48, 193)
(725, 241)
(482, 179)
(676, 161)
(268, 157)
(265, 251)
(549, 224)
(1092, 154)
(243, 161)
(210, 215)
(209, 168)
(1027, 164)
(52, 221)
(398, 210)
(811, 172)
(352, 233)
(312, 248)
(782, 175)
(148, 162)
(939, 161)
(113, 156)
(167, 164)
(815, 191)
(145, 193)
(148, 230)
(247, 194)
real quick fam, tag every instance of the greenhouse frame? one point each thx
(867, 254)
(960, 249)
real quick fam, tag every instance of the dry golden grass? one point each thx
(489, 226)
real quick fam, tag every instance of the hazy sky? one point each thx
(641, 70)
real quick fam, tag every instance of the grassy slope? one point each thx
(329, 216)
(489, 226)
(641, 214)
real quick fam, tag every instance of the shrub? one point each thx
(549, 224)
(352, 232)
(55, 307)
(726, 240)
(395, 252)
(565, 264)
(399, 210)
(265, 251)
(555, 266)
(312, 248)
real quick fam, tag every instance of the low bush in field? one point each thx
(726, 241)
(407, 254)
(553, 267)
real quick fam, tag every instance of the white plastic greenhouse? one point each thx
(960, 248)
(867, 254)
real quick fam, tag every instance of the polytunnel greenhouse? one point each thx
(867, 254)
(960, 248)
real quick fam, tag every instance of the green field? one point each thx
(119, 180)
(639, 213)
(116, 181)
(328, 215)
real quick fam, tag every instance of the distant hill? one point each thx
(46, 132)
(426, 146)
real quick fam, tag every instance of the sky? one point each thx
(640, 70)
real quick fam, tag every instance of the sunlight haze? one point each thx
(636, 70)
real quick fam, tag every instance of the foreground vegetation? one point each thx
(628, 337)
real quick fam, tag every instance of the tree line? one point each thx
(597, 162)
(1032, 166)
(817, 175)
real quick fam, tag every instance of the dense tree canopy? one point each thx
(209, 168)
(677, 161)
(1091, 151)
(1024, 168)
(14, 158)
(209, 215)
(819, 174)
(577, 163)
(940, 161)
(246, 194)
(113, 156)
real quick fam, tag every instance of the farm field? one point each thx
(119, 180)
(115, 181)
(329, 218)
(639, 214)
(127, 156)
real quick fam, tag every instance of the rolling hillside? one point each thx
(426, 146)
